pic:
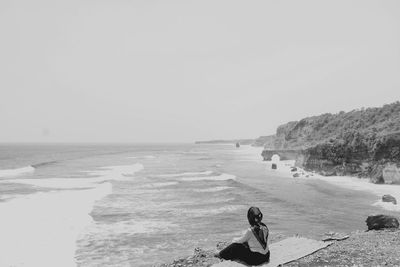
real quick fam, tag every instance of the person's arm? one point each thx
(244, 238)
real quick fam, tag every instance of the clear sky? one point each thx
(179, 71)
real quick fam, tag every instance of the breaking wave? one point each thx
(103, 174)
(42, 229)
(213, 189)
(222, 177)
(9, 173)
(185, 174)
(43, 164)
(208, 211)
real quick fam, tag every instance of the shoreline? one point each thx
(346, 182)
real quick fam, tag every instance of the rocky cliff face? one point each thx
(311, 131)
(379, 160)
(364, 143)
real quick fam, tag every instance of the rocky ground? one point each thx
(200, 258)
(372, 248)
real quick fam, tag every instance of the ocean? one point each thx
(146, 204)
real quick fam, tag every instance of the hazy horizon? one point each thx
(179, 71)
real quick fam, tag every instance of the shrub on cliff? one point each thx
(358, 128)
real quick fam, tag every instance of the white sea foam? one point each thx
(185, 174)
(208, 211)
(103, 233)
(118, 172)
(222, 177)
(9, 173)
(352, 183)
(157, 185)
(359, 184)
(387, 205)
(364, 185)
(143, 157)
(109, 230)
(42, 229)
(104, 174)
(61, 183)
(213, 189)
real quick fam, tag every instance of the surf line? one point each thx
(42, 229)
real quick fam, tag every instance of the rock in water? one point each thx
(389, 198)
(274, 166)
(296, 175)
(377, 222)
(293, 169)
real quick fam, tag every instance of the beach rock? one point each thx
(293, 169)
(391, 173)
(376, 174)
(389, 198)
(274, 166)
(296, 175)
(377, 222)
(328, 173)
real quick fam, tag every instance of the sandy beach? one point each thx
(348, 182)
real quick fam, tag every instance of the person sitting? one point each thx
(252, 247)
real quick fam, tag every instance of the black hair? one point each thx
(252, 214)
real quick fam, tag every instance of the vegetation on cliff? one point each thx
(360, 142)
(352, 128)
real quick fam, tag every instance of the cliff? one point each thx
(374, 157)
(364, 143)
(314, 130)
(265, 141)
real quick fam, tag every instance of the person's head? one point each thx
(254, 216)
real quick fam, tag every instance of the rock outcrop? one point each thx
(200, 258)
(284, 155)
(378, 222)
(354, 156)
(389, 198)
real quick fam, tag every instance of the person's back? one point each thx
(252, 247)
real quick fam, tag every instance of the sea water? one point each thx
(140, 205)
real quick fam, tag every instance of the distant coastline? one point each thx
(233, 141)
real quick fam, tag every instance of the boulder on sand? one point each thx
(274, 166)
(377, 222)
(389, 198)
(296, 175)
